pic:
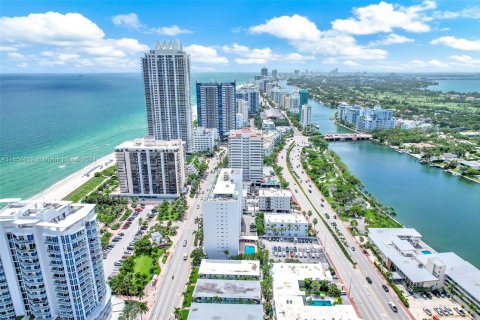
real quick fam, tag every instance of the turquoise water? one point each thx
(459, 85)
(52, 125)
(426, 252)
(249, 249)
(321, 303)
(445, 209)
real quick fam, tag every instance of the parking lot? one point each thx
(423, 306)
(121, 244)
(306, 250)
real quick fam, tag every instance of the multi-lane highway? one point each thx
(370, 299)
(175, 274)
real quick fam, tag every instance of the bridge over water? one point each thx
(347, 136)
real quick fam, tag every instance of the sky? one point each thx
(233, 36)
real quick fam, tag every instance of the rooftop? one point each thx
(393, 243)
(219, 311)
(225, 184)
(289, 299)
(274, 192)
(58, 215)
(461, 271)
(244, 132)
(230, 267)
(228, 289)
(149, 143)
(285, 218)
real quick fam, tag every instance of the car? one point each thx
(424, 296)
(308, 250)
(127, 252)
(353, 248)
(427, 311)
(124, 256)
(292, 254)
(369, 280)
(185, 256)
(295, 249)
(385, 288)
(429, 295)
(322, 205)
(296, 190)
(438, 310)
(393, 306)
(287, 249)
(184, 243)
(130, 248)
(118, 263)
(121, 234)
(309, 190)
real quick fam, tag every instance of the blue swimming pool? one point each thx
(426, 252)
(321, 303)
(249, 249)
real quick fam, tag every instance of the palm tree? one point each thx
(226, 253)
(142, 308)
(141, 294)
(177, 313)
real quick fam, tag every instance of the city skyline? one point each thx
(373, 36)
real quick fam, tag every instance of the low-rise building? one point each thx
(269, 179)
(289, 302)
(274, 200)
(220, 311)
(286, 225)
(268, 125)
(227, 291)
(204, 139)
(419, 269)
(270, 141)
(229, 269)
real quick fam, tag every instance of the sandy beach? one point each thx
(62, 188)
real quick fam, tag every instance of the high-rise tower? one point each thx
(166, 77)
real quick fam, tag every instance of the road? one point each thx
(370, 299)
(175, 274)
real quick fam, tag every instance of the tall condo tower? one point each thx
(216, 106)
(166, 76)
(51, 263)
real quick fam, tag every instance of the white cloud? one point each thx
(464, 60)
(132, 21)
(170, 31)
(350, 63)
(304, 35)
(16, 56)
(129, 20)
(203, 54)
(384, 17)
(262, 56)
(470, 13)
(50, 28)
(22, 65)
(295, 27)
(426, 64)
(70, 38)
(7, 49)
(457, 43)
(390, 39)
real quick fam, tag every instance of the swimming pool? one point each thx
(321, 303)
(249, 249)
(426, 252)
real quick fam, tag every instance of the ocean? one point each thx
(52, 125)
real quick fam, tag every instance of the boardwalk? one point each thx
(348, 137)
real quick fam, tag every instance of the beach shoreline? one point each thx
(64, 187)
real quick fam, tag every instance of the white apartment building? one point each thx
(204, 139)
(51, 263)
(306, 118)
(286, 225)
(270, 141)
(166, 77)
(242, 109)
(245, 151)
(268, 125)
(274, 200)
(229, 269)
(222, 215)
(151, 168)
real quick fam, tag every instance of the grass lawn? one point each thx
(375, 220)
(84, 189)
(194, 275)
(184, 314)
(187, 300)
(143, 264)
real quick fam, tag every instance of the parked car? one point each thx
(427, 311)
(184, 243)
